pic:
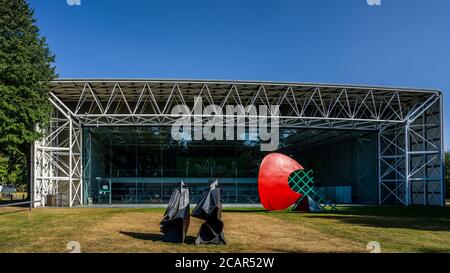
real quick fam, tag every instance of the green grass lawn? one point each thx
(397, 229)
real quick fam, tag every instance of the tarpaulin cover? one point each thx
(209, 208)
(175, 222)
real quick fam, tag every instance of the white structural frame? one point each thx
(409, 123)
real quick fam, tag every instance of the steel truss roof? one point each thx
(409, 122)
(149, 102)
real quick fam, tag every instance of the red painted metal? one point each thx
(273, 181)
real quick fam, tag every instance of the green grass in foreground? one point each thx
(397, 229)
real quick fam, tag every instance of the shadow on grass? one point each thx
(14, 211)
(416, 218)
(155, 237)
(243, 210)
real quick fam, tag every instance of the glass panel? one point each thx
(144, 164)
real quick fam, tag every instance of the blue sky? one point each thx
(400, 43)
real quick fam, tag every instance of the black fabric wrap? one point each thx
(209, 208)
(175, 222)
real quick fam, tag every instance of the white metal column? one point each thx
(411, 156)
(57, 160)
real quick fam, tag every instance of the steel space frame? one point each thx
(409, 123)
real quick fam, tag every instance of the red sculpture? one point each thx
(273, 182)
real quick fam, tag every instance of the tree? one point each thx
(25, 71)
(447, 173)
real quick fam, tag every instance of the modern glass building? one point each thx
(110, 142)
(143, 164)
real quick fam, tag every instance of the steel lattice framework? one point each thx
(408, 121)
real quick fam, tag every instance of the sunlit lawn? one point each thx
(397, 229)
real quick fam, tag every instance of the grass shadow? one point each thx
(416, 218)
(14, 211)
(243, 210)
(154, 237)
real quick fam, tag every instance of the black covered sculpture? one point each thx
(209, 208)
(175, 222)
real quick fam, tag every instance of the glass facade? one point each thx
(142, 165)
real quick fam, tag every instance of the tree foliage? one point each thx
(25, 71)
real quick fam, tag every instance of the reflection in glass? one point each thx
(144, 164)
